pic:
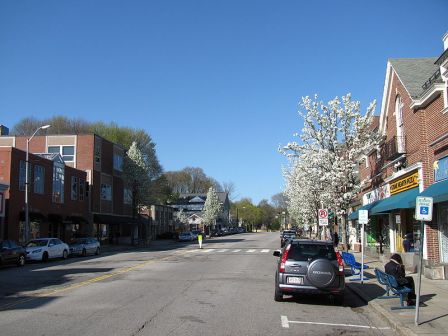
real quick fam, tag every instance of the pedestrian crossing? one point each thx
(230, 251)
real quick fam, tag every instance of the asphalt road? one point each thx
(224, 289)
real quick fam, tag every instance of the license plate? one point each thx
(295, 280)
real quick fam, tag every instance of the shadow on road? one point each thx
(40, 282)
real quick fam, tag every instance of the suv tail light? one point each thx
(284, 257)
(340, 263)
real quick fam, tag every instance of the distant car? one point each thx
(84, 246)
(241, 230)
(11, 253)
(286, 235)
(309, 267)
(46, 248)
(186, 236)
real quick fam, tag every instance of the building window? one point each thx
(39, 179)
(74, 188)
(127, 196)
(58, 183)
(106, 192)
(98, 153)
(22, 173)
(82, 189)
(118, 162)
(67, 152)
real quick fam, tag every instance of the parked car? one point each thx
(84, 246)
(11, 253)
(241, 230)
(286, 235)
(186, 236)
(46, 248)
(309, 267)
(197, 233)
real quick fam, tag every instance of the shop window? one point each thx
(74, 188)
(58, 183)
(106, 192)
(39, 179)
(82, 189)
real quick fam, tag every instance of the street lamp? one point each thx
(27, 215)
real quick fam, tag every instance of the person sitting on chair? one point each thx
(395, 268)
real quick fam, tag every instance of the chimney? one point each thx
(445, 41)
(4, 130)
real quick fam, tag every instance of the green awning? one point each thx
(438, 191)
(402, 200)
(355, 214)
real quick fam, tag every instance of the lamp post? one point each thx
(27, 215)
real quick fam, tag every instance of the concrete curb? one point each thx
(396, 325)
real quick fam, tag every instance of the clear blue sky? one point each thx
(215, 83)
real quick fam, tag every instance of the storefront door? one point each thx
(442, 218)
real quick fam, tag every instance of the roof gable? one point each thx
(414, 72)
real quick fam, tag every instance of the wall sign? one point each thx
(441, 169)
(404, 183)
(2, 205)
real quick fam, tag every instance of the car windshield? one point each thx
(34, 243)
(303, 252)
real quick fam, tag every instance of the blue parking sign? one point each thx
(424, 210)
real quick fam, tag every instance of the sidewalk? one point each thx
(433, 315)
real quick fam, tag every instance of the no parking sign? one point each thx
(323, 217)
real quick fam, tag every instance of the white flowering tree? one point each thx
(212, 208)
(136, 177)
(325, 158)
(182, 218)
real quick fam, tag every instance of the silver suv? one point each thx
(309, 267)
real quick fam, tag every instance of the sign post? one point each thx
(423, 213)
(323, 219)
(363, 218)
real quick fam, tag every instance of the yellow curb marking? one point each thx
(88, 282)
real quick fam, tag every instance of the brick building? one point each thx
(110, 201)
(412, 159)
(57, 199)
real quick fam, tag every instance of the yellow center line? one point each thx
(88, 282)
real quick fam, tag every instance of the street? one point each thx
(224, 289)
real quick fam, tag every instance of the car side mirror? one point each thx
(277, 253)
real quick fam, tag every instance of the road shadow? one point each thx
(39, 282)
(350, 300)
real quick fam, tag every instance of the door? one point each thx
(442, 218)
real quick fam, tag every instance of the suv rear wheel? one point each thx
(278, 296)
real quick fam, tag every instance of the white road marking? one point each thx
(264, 251)
(209, 250)
(250, 251)
(236, 250)
(220, 251)
(286, 323)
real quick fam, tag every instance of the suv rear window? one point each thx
(302, 252)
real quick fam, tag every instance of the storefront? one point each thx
(398, 210)
(439, 192)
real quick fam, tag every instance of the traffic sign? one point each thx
(363, 216)
(323, 217)
(423, 208)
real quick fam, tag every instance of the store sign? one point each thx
(404, 183)
(376, 194)
(441, 169)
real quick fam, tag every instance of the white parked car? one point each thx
(46, 248)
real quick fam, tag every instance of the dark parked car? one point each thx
(286, 235)
(84, 246)
(309, 267)
(12, 253)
